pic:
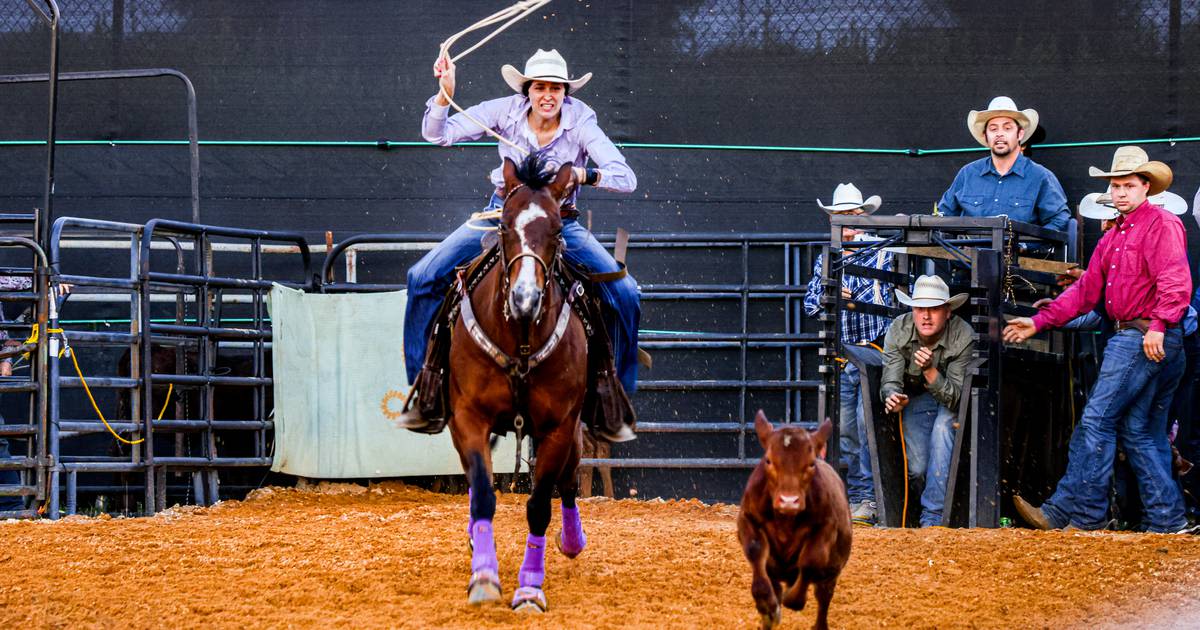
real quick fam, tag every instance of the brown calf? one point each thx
(794, 524)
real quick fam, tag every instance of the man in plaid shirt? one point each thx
(11, 477)
(857, 329)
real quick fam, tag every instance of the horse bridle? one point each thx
(505, 263)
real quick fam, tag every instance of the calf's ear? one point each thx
(821, 437)
(763, 428)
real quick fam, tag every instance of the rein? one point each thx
(488, 215)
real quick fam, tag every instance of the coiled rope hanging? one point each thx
(512, 14)
(509, 16)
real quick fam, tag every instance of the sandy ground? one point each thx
(396, 556)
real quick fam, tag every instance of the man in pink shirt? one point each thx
(1139, 271)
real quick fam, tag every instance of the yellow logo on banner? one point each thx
(385, 404)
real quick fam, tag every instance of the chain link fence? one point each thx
(128, 17)
(872, 30)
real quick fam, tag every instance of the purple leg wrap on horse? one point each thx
(484, 556)
(573, 538)
(533, 570)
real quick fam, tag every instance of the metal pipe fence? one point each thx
(30, 463)
(104, 75)
(789, 268)
(177, 361)
(758, 285)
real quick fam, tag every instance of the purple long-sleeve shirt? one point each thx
(578, 137)
(1140, 270)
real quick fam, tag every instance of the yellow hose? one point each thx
(88, 390)
(904, 456)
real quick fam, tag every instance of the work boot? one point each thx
(864, 512)
(624, 434)
(413, 420)
(1032, 515)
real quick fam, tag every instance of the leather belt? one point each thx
(1140, 324)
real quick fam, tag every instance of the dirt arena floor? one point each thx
(396, 556)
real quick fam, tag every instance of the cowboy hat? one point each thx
(542, 66)
(1131, 160)
(1002, 106)
(846, 198)
(1099, 205)
(930, 291)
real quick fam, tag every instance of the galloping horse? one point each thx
(518, 361)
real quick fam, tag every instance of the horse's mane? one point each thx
(532, 172)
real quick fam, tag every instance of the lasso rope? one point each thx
(512, 14)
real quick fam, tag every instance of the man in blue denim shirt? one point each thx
(1006, 182)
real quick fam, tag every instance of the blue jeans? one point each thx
(929, 445)
(852, 439)
(1130, 402)
(9, 478)
(429, 279)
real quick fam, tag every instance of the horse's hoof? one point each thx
(770, 621)
(484, 587)
(529, 599)
(569, 554)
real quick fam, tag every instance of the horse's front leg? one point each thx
(571, 540)
(552, 453)
(472, 446)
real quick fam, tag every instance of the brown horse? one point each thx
(518, 361)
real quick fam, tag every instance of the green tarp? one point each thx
(340, 384)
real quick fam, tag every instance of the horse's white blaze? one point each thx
(528, 271)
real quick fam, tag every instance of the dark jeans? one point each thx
(1129, 402)
(8, 478)
(1183, 411)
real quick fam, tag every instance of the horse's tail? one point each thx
(483, 499)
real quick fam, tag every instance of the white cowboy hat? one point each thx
(930, 291)
(542, 66)
(1002, 106)
(1092, 207)
(846, 197)
(1131, 160)
(1099, 205)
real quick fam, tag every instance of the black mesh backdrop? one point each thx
(857, 74)
(870, 74)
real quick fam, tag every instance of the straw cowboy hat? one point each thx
(846, 198)
(930, 291)
(1099, 205)
(543, 66)
(1132, 160)
(1002, 106)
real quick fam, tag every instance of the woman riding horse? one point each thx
(542, 117)
(518, 362)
